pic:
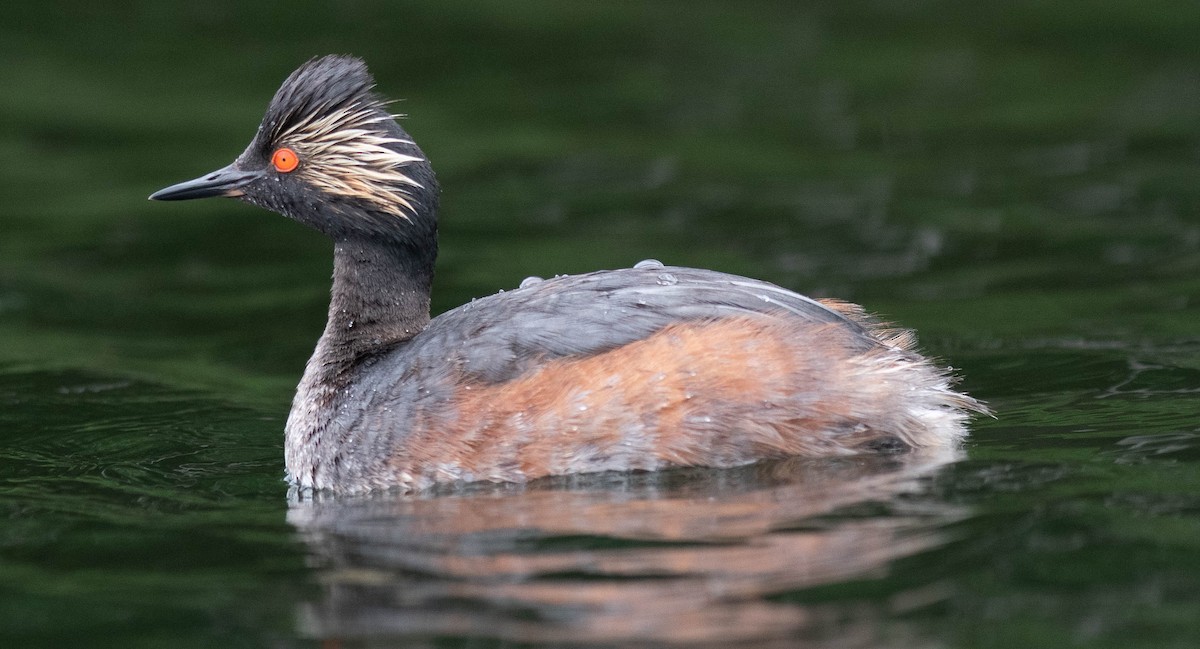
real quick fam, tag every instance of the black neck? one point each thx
(380, 296)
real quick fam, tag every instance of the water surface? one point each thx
(1018, 183)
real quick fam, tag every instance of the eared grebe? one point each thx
(633, 369)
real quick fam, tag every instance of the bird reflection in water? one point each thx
(689, 557)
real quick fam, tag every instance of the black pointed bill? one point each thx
(228, 181)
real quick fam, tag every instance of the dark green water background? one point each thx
(1018, 181)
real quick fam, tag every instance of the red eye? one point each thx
(285, 160)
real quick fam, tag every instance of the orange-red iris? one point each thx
(285, 160)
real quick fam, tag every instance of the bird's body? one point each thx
(633, 369)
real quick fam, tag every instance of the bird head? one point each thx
(329, 154)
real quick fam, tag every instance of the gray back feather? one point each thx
(497, 338)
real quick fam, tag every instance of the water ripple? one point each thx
(683, 557)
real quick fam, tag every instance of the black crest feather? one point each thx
(321, 86)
